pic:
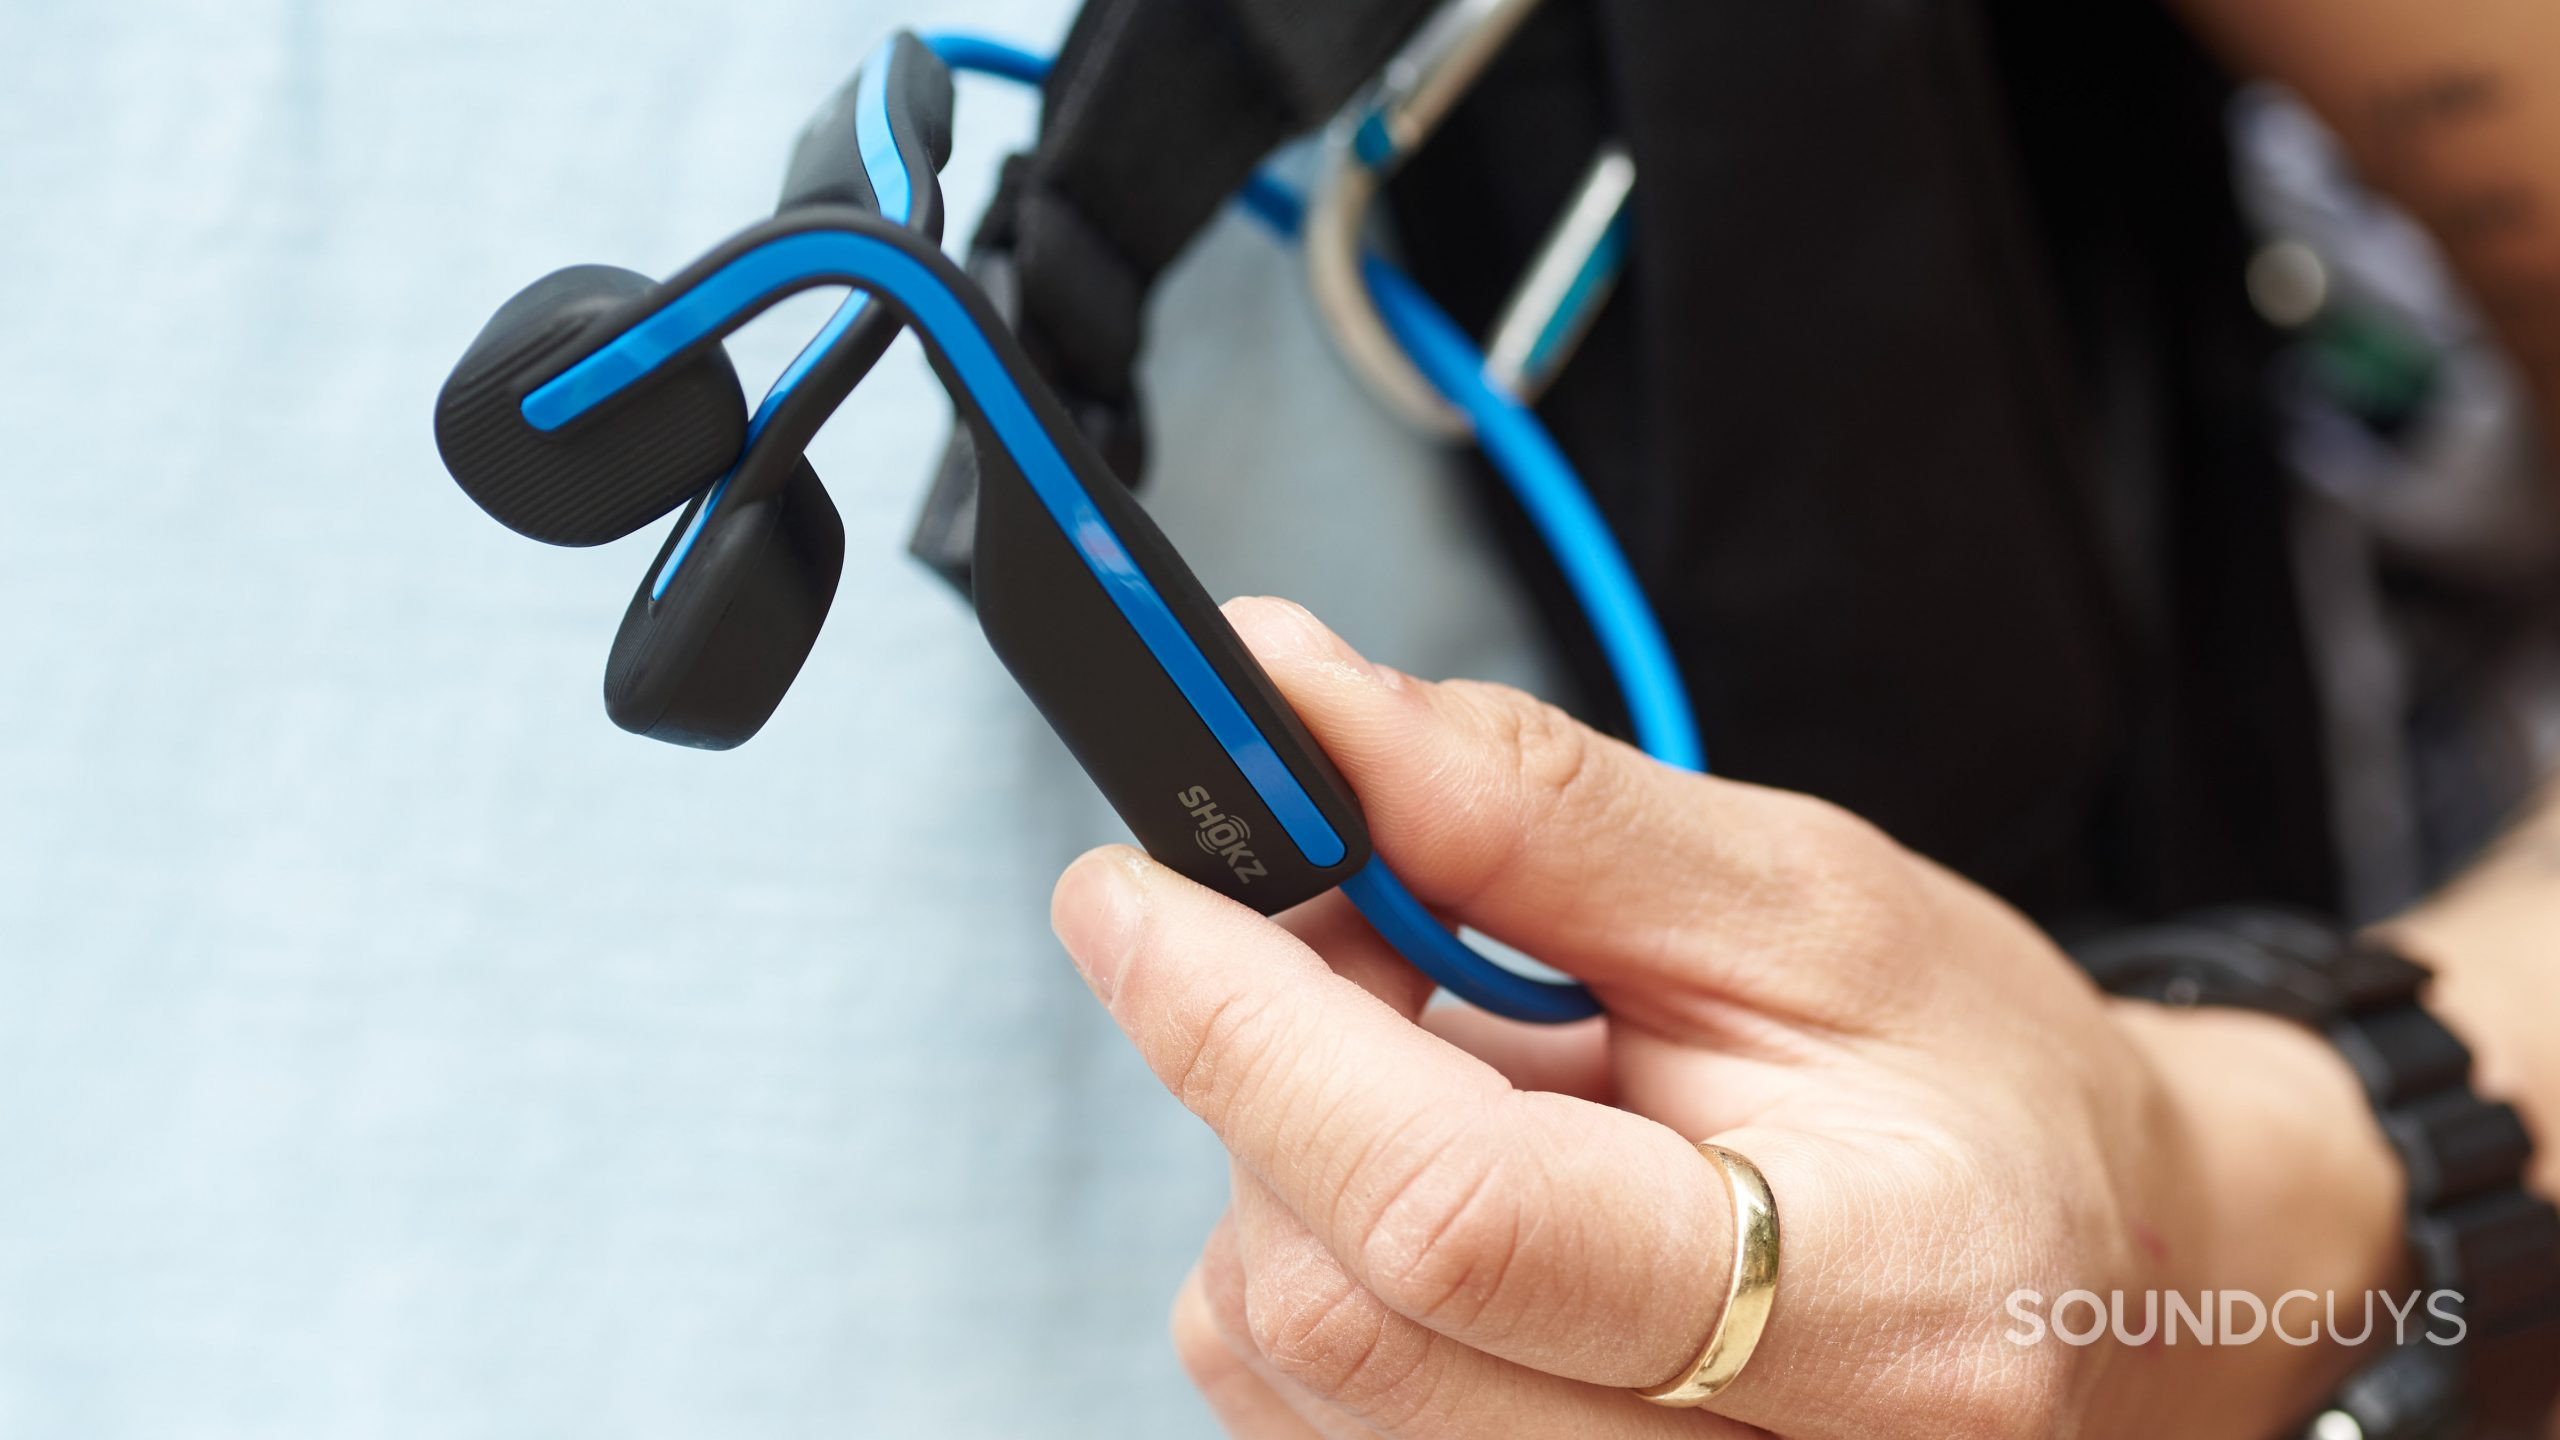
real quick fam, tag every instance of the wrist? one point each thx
(2288, 1186)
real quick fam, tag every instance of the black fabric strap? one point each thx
(1893, 481)
(1153, 116)
(1157, 111)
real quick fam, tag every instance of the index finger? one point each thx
(1653, 885)
(1567, 1236)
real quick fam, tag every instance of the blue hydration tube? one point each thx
(1544, 483)
(986, 56)
(1548, 490)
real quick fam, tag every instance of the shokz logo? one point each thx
(1222, 835)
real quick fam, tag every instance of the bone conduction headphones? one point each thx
(596, 401)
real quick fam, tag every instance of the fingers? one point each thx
(1568, 1237)
(1280, 1296)
(1585, 853)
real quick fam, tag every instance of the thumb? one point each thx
(1584, 852)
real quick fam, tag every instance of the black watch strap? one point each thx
(2474, 1229)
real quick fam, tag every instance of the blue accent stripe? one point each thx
(782, 264)
(890, 184)
(886, 169)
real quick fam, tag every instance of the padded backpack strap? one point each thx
(1156, 113)
(1154, 116)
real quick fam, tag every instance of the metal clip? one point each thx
(1566, 283)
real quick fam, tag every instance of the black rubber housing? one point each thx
(826, 161)
(1064, 640)
(707, 666)
(946, 527)
(613, 469)
(1103, 691)
(1055, 628)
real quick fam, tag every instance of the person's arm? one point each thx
(2452, 107)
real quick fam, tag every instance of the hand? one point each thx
(1449, 1225)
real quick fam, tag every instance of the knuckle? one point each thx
(1540, 762)
(1326, 1333)
(1444, 1245)
(1551, 752)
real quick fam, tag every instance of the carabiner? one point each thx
(1566, 283)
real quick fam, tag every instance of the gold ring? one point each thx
(1747, 1300)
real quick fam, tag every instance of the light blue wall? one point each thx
(390, 1047)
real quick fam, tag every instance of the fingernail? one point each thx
(1278, 630)
(1097, 912)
